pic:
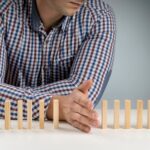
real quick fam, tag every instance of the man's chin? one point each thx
(71, 13)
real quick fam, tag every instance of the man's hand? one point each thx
(77, 109)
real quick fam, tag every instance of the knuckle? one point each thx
(76, 107)
(76, 124)
(85, 121)
(79, 100)
(76, 116)
(86, 113)
(81, 111)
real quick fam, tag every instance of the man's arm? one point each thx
(94, 60)
(15, 93)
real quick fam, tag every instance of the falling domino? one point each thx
(127, 114)
(41, 114)
(29, 114)
(7, 114)
(20, 113)
(148, 115)
(116, 114)
(139, 114)
(55, 113)
(104, 114)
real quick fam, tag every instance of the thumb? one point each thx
(84, 87)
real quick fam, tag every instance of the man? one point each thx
(60, 49)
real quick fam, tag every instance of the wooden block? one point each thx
(127, 114)
(139, 114)
(116, 114)
(55, 113)
(148, 115)
(7, 114)
(41, 114)
(104, 114)
(29, 114)
(20, 114)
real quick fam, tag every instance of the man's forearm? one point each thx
(16, 93)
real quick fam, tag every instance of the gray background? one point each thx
(131, 72)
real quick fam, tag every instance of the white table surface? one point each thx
(69, 138)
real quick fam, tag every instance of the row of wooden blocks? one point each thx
(127, 110)
(29, 114)
(104, 103)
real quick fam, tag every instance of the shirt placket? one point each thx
(46, 46)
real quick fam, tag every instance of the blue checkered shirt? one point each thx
(37, 65)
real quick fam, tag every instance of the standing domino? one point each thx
(29, 114)
(41, 114)
(55, 113)
(104, 114)
(139, 114)
(116, 114)
(20, 117)
(127, 114)
(7, 114)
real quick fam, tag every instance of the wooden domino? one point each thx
(139, 124)
(55, 113)
(127, 114)
(20, 115)
(29, 114)
(104, 103)
(104, 114)
(41, 114)
(116, 114)
(7, 114)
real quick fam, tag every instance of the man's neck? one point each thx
(49, 16)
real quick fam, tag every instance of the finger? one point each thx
(84, 102)
(81, 127)
(84, 87)
(84, 111)
(84, 120)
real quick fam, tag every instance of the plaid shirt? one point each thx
(37, 65)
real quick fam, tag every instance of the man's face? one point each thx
(65, 7)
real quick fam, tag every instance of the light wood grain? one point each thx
(55, 113)
(116, 114)
(29, 114)
(104, 114)
(139, 114)
(127, 114)
(20, 114)
(41, 114)
(7, 114)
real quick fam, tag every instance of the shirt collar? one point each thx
(36, 21)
